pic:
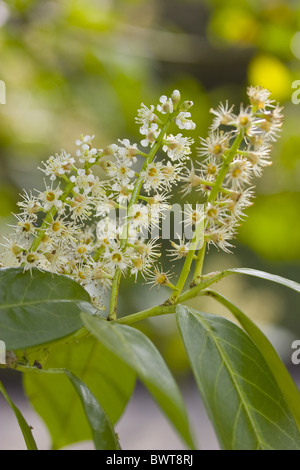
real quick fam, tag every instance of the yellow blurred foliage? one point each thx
(269, 72)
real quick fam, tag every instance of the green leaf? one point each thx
(109, 379)
(39, 308)
(282, 376)
(263, 275)
(103, 432)
(241, 396)
(139, 353)
(25, 428)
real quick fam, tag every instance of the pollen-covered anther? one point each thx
(25, 226)
(32, 258)
(15, 249)
(50, 195)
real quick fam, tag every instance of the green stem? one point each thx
(217, 187)
(139, 182)
(25, 428)
(134, 197)
(98, 253)
(166, 307)
(229, 157)
(150, 312)
(114, 294)
(199, 265)
(187, 264)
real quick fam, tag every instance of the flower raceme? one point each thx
(96, 230)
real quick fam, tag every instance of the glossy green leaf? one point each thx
(55, 400)
(263, 275)
(136, 350)
(241, 396)
(103, 432)
(39, 307)
(285, 382)
(25, 428)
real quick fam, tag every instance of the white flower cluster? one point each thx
(226, 170)
(68, 227)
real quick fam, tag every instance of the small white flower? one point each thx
(50, 198)
(259, 158)
(128, 150)
(101, 275)
(245, 121)
(145, 116)
(30, 205)
(140, 266)
(84, 139)
(271, 123)
(193, 216)
(86, 154)
(32, 259)
(14, 246)
(81, 207)
(239, 173)
(83, 181)
(223, 116)
(58, 165)
(171, 173)
(59, 229)
(151, 133)
(153, 176)
(157, 210)
(209, 170)
(149, 250)
(139, 216)
(82, 273)
(57, 259)
(183, 121)
(238, 201)
(259, 97)
(117, 258)
(166, 106)
(105, 206)
(179, 250)
(178, 147)
(214, 145)
(121, 170)
(190, 180)
(106, 232)
(25, 225)
(215, 213)
(123, 191)
(220, 237)
(159, 277)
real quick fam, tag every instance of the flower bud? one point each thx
(175, 97)
(186, 105)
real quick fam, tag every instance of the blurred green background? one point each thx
(84, 66)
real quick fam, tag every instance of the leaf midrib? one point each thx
(36, 302)
(244, 402)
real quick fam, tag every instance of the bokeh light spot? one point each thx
(269, 72)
